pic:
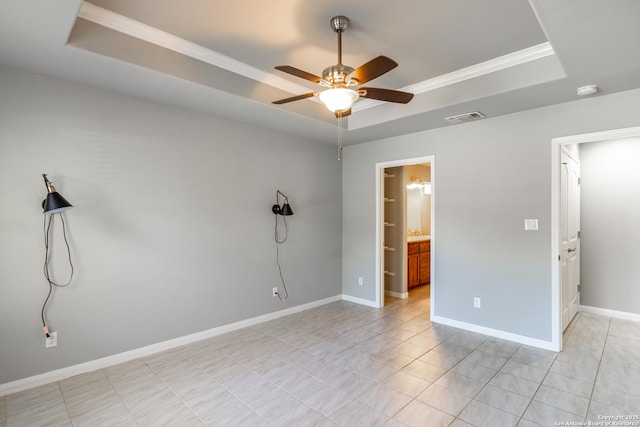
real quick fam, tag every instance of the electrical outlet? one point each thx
(360, 280)
(275, 291)
(51, 340)
(476, 302)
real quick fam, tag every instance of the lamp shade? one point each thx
(338, 99)
(286, 209)
(55, 203)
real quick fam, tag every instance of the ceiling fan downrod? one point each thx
(336, 74)
(339, 24)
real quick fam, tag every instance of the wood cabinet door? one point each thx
(424, 267)
(412, 267)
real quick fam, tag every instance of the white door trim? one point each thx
(380, 167)
(556, 288)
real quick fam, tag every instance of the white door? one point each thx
(570, 256)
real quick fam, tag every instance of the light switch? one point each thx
(531, 224)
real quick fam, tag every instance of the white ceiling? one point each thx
(457, 56)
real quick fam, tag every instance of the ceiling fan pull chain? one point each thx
(339, 136)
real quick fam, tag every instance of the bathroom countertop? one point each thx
(412, 239)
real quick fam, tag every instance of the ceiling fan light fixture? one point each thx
(338, 99)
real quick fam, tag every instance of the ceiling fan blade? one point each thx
(343, 113)
(372, 69)
(294, 98)
(299, 73)
(385, 95)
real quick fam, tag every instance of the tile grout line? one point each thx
(595, 380)
(536, 392)
(572, 325)
(549, 371)
(487, 383)
(455, 417)
(173, 391)
(64, 401)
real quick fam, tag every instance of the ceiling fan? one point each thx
(342, 82)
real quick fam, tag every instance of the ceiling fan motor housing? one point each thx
(337, 74)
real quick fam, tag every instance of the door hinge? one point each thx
(559, 258)
(579, 180)
(578, 234)
(578, 288)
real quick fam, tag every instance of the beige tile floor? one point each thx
(347, 365)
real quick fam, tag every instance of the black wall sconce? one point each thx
(285, 209)
(280, 237)
(53, 204)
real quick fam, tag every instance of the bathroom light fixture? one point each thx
(54, 203)
(419, 183)
(426, 188)
(285, 209)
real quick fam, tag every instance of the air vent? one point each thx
(467, 117)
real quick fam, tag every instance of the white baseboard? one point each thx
(533, 342)
(610, 313)
(360, 301)
(105, 362)
(394, 294)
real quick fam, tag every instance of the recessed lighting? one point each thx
(587, 90)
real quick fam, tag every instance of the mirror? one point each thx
(414, 209)
(418, 180)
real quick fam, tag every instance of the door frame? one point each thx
(556, 235)
(379, 171)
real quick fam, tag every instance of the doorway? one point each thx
(560, 247)
(397, 229)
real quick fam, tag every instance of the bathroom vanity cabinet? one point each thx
(418, 265)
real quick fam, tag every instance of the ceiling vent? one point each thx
(467, 117)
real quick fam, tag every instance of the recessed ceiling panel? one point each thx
(427, 39)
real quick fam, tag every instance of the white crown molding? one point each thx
(133, 28)
(483, 68)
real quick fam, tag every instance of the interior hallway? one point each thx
(350, 365)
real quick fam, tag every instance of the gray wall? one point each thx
(489, 176)
(172, 230)
(610, 208)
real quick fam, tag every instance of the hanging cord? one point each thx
(47, 275)
(279, 241)
(339, 136)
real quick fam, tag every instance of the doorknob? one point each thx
(571, 250)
